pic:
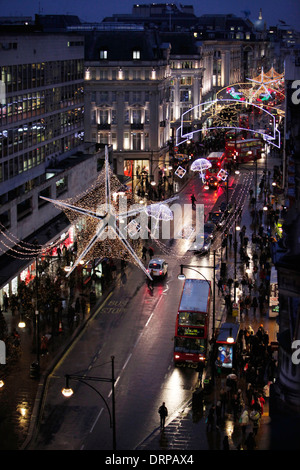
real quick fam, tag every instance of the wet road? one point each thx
(137, 328)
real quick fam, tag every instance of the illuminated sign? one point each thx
(190, 331)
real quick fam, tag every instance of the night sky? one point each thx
(95, 10)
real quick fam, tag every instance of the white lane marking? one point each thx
(98, 416)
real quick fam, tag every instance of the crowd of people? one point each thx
(243, 393)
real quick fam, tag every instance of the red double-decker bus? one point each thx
(192, 323)
(242, 150)
(212, 175)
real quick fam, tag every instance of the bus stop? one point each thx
(226, 344)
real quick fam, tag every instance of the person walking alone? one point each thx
(193, 199)
(163, 413)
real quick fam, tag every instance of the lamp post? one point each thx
(68, 392)
(230, 339)
(182, 277)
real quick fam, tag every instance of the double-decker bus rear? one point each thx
(217, 160)
(243, 150)
(192, 323)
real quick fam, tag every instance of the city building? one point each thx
(126, 100)
(42, 149)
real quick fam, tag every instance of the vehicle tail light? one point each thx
(160, 272)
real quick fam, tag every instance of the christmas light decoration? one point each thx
(180, 172)
(99, 221)
(222, 175)
(201, 165)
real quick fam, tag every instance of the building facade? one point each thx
(42, 122)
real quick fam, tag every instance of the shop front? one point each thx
(27, 273)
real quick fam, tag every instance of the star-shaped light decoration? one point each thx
(264, 86)
(102, 223)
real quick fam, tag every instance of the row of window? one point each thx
(104, 54)
(113, 74)
(28, 105)
(27, 76)
(21, 138)
(28, 160)
(25, 208)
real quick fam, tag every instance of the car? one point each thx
(209, 229)
(213, 182)
(202, 242)
(201, 247)
(217, 218)
(226, 208)
(158, 266)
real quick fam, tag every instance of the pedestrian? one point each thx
(200, 369)
(218, 414)
(210, 419)
(255, 418)
(223, 400)
(250, 441)
(144, 253)
(225, 443)
(235, 406)
(244, 421)
(163, 413)
(77, 305)
(193, 199)
(151, 252)
(5, 301)
(218, 365)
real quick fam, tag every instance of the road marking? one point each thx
(149, 319)
(98, 416)
(128, 358)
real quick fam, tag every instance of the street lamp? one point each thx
(230, 338)
(181, 277)
(67, 391)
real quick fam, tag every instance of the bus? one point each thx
(217, 160)
(241, 150)
(192, 323)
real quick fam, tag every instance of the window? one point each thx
(24, 209)
(136, 141)
(103, 54)
(61, 185)
(185, 95)
(45, 193)
(136, 116)
(136, 54)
